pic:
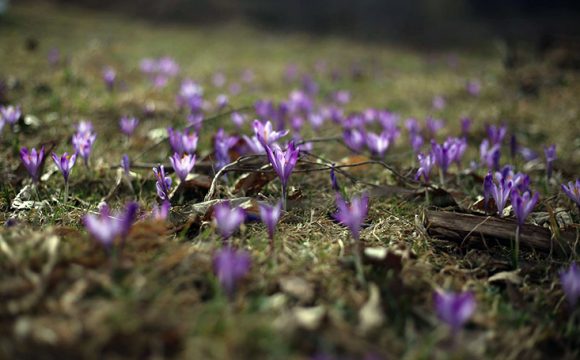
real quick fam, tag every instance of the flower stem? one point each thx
(517, 248)
(441, 177)
(284, 196)
(427, 200)
(360, 275)
(65, 192)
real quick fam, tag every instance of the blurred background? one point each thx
(428, 23)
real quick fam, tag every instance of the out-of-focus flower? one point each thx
(105, 228)
(523, 204)
(454, 309)
(412, 126)
(228, 219)
(32, 160)
(190, 94)
(439, 102)
(238, 119)
(189, 142)
(109, 77)
(496, 133)
(222, 145)
(354, 139)
(83, 144)
(182, 164)
(221, 101)
(550, 152)
(163, 184)
(490, 155)
(218, 79)
(473, 87)
(570, 280)
(10, 114)
(270, 216)
(230, 266)
(378, 144)
(161, 212)
(487, 188)
(416, 142)
(353, 214)
(126, 164)
(434, 125)
(64, 163)
(128, 125)
(426, 163)
(465, 126)
(53, 57)
(573, 191)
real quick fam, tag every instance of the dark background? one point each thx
(427, 22)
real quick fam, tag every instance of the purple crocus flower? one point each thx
(163, 183)
(500, 192)
(378, 144)
(222, 145)
(161, 212)
(83, 140)
(434, 125)
(490, 155)
(106, 228)
(228, 219)
(465, 126)
(496, 134)
(32, 159)
(523, 204)
(270, 216)
(53, 57)
(416, 142)
(218, 79)
(354, 214)
(412, 126)
(263, 133)
(230, 266)
(64, 163)
(473, 87)
(447, 153)
(354, 139)
(128, 125)
(426, 163)
(283, 162)
(454, 309)
(439, 102)
(84, 126)
(189, 142)
(487, 188)
(551, 156)
(126, 164)
(570, 280)
(190, 94)
(238, 119)
(333, 180)
(109, 77)
(573, 191)
(10, 114)
(175, 140)
(182, 164)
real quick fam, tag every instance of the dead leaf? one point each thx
(371, 315)
(297, 288)
(512, 277)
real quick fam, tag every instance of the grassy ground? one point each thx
(63, 299)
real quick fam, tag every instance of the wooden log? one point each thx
(460, 227)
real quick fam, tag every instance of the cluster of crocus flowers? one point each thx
(183, 142)
(230, 266)
(228, 219)
(159, 70)
(83, 140)
(283, 163)
(107, 228)
(451, 151)
(454, 309)
(32, 161)
(570, 280)
(65, 163)
(222, 145)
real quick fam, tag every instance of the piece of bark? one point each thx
(459, 227)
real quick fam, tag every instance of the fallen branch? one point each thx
(461, 227)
